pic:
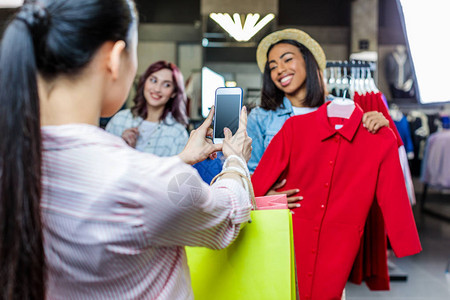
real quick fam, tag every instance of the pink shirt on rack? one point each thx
(116, 220)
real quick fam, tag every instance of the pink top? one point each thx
(116, 220)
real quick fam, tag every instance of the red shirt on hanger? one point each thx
(339, 172)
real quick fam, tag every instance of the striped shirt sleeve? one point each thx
(182, 210)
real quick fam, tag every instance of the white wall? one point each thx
(149, 52)
(190, 58)
(247, 75)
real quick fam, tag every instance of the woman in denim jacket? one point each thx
(292, 63)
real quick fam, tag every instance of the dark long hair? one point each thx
(175, 105)
(272, 97)
(45, 38)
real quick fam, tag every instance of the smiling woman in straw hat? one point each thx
(292, 63)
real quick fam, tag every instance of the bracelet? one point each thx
(239, 170)
(241, 162)
(247, 184)
(242, 175)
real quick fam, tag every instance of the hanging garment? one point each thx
(402, 126)
(374, 102)
(420, 130)
(436, 162)
(371, 262)
(209, 168)
(339, 173)
(399, 75)
(371, 265)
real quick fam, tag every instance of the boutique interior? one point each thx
(372, 47)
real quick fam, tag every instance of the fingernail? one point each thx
(298, 205)
(301, 197)
(297, 190)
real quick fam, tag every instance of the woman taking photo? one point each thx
(112, 221)
(157, 121)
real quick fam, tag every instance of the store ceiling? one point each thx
(291, 12)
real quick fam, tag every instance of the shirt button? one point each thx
(331, 162)
(313, 251)
(308, 297)
(326, 184)
(316, 229)
(310, 274)
(322, 206)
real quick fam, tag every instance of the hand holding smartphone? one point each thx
(228, 104)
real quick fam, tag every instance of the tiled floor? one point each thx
(427, 279)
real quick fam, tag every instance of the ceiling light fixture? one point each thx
(234, 25)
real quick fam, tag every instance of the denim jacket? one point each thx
(262, 125)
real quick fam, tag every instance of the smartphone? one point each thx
(228, 106)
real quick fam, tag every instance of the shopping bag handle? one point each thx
(251, 192)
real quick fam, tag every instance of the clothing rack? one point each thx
(407, 105)
(351, 76)
(352, 64)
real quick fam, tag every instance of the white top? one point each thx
(303, 110)
(146, 130)
(116, 220)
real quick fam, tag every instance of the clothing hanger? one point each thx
(395, 112)
(341, 107)
(352, 85)
(362, 81)
(372, 85)
(331, 81)
(345, 78)
(361, 76)
(357, 74)
(339, 89)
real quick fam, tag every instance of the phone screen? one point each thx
(228, 108)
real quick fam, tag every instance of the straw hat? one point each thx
(290, 34)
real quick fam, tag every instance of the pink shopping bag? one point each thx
(271, 202)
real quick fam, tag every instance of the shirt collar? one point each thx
(326, 129)
(66, 136)
(286, 108)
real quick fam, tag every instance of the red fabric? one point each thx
(339, 172)
(371, 262)
(374, 102)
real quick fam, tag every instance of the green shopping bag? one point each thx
(258, 265)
